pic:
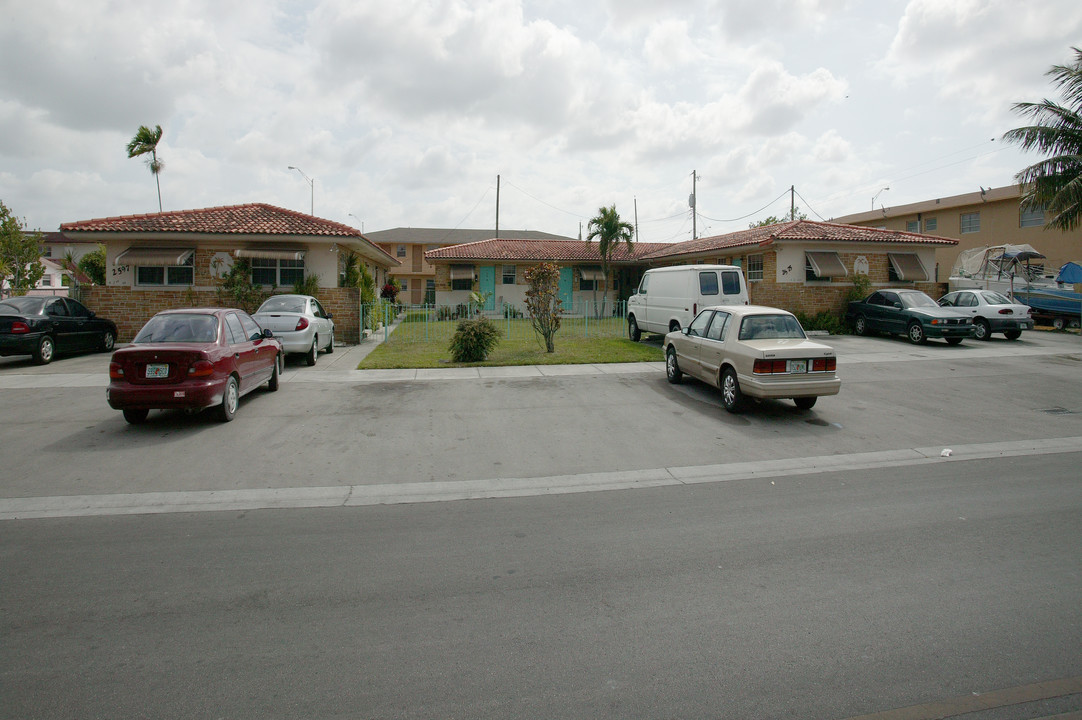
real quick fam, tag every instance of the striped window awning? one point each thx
(826, 264)
(592, 272)
(154, 256)
(907, 266)
(270, 253)
(463, 272)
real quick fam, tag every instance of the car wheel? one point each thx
(633, 331)
(731, 396)
(672, 368)
(313, 352)
(230, 399)
(805, 403)
(916, 334)
(674, 326)
(43, 355)
(1058, 323)
(108, 340)
(134, 416)
(982, 328)
(1013, 334)
(860, 325)
(272, 384)
(330, 345)
(954, 341)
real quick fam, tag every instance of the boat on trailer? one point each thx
(1009, 269)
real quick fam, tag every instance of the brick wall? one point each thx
(130, 308)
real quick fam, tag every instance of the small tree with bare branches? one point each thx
(543, 301)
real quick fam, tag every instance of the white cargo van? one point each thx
(668, 298)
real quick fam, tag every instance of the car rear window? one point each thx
(179, 327)
(283, 304)
(770, 327)
(708, 283)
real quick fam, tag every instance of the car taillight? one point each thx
(694, 309)
(116, 371)
(1006, 311)
(824, 364)
(302, 323)
(767, 367)
(201, 368)
(18, 327)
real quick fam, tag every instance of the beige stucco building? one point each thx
(991, 216)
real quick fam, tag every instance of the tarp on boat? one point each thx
(1070, 273)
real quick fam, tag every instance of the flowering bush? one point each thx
(389, 292)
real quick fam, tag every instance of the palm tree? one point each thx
(610, 231)
(1055, 183)
(146, 141)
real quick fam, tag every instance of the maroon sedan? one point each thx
(193, 359)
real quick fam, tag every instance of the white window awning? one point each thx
(154, 256)
(270, 253)
(826, 264)
(591, 272)
(463, 272)
(907, 266)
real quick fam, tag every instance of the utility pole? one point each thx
(691, 203)
(497, 207)
(636, 219)
(792, 202)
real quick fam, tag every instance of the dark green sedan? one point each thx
(910, 313)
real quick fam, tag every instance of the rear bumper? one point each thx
(295, 341)
(997, 324)
(186, 395)
(23, 344)
(789, 386)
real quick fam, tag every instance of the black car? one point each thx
(910, 313)
(44, 325)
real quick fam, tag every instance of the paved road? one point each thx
(635, 551)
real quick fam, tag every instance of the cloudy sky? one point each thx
(404, 112)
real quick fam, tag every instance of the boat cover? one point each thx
(1070, 273)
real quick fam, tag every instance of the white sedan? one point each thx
(752, 351)
(992, 312)
(299, 322)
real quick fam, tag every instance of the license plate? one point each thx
(798, 366)
(1024, 326)
(157, 371)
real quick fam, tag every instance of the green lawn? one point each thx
(519, 349)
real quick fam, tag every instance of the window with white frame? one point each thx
(931, 224)
(1031, 218)
(167, 274)
(508, 274)
(400, 251)
(912, 226)
(277, 273)
(970, 222)
(405, 284)
(755, 267)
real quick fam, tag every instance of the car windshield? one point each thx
(282, 304)
(994, 298)
(917, 299)
(770, 327)
(180, 328)
(30, 305)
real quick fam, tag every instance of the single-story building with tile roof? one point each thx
(801, 266)
(175, 259)
(496, 266)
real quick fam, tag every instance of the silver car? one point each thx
(992, 312)
(300, 323)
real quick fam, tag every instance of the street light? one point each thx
(311, 185)
(877, 195)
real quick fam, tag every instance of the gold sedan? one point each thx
(752, 351)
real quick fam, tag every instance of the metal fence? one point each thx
(428, 323)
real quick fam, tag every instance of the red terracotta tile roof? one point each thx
(538, 250)
(250, 219)
(799, 230)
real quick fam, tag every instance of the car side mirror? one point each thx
(898, 305)
(330, 315)
(267, 333)
(90, 313)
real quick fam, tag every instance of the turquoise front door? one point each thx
(567, 284)
(487, 282)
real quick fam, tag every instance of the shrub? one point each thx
(826, 320)
(473, 340)
(444, 312)
(308, 286)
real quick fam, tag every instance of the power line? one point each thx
(745, 217)
(566, 212)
